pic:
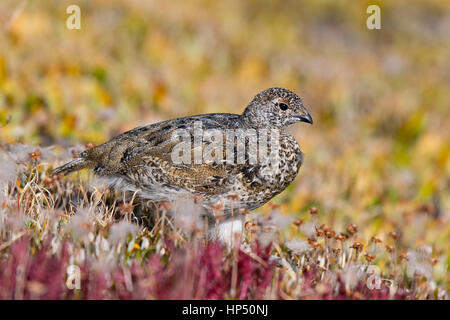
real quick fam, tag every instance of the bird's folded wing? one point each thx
(155, 145)
(213, 178)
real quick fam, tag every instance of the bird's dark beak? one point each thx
(306, 118)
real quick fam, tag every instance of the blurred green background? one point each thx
(378, 153)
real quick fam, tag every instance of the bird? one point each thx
(146, 160)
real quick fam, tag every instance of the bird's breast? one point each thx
(283, 169)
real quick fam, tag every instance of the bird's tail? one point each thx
(71, 166)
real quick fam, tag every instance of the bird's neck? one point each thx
(251, 119)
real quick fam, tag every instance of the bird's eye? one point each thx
(283, 106)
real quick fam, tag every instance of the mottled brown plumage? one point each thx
(141, 159)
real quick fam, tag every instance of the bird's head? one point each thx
(276, 108)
